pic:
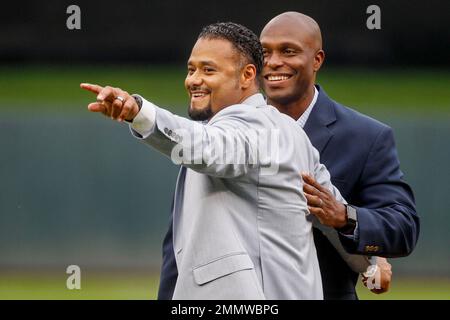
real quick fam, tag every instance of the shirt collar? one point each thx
(255, 100)
(304, 117)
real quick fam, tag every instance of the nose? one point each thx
(193, 80)
(273, 60)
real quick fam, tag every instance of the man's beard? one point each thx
(200, 115)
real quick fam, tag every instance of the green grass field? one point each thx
(93, 286)
(371, 91)
(144, 286)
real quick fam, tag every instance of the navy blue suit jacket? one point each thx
(361, 156)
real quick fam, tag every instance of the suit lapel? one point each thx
(322, 115)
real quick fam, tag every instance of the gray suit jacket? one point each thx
(240, 231)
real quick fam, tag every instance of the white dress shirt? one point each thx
(304, 117)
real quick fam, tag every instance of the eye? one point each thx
(208, 70)
(289, 51)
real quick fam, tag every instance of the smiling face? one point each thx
(292, 56)
(213, 79)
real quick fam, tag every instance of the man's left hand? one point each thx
(323, 204)
(384, 275)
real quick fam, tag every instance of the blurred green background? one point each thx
(78, 189)
(414, 92)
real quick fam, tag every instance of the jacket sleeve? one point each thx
(388, 224)
(221, 148)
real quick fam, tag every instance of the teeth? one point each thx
(277, 78)
(198, 95)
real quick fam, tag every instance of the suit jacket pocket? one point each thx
(221, 267)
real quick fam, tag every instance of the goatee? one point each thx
(200, 115)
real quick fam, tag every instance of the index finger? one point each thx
(311, 181)
(91, 87)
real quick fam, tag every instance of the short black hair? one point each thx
(242, 38)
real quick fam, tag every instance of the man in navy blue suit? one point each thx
(358, 151)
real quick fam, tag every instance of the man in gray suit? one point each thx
(241, 227)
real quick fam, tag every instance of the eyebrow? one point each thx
(287, 44)
(204, 62)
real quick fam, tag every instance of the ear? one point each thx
(248, 75)
(318, 60)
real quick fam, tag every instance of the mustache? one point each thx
(199, 88)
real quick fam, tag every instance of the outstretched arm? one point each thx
(222, 148)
